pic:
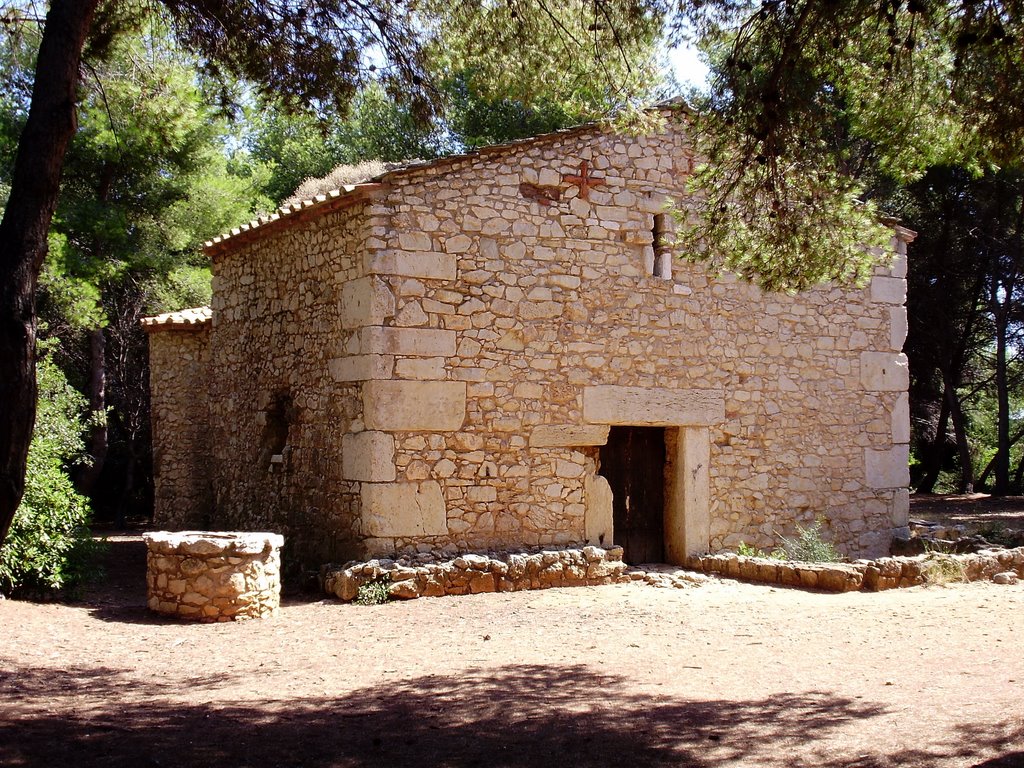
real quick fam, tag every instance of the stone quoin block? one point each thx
(897, 327)
(403, 509)
(366, 301)
(428, 265)
(889, 468)
(884, 371)
(888, 290)
(410, 342)
(368, 456)
(900, 507)
(901, 419)
(361, 367)
(406, 406)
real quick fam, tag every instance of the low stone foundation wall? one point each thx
(1003, 566)
(205, 576)
(428, 575)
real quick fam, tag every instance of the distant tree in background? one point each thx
(966, 312)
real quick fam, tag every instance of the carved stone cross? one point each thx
(583, 180)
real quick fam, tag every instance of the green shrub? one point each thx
(809, 546)
(746, 550)
(49, 546)
(373, 592)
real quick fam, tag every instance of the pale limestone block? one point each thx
(901, 508)
(899, 247)
(598, 517)
(412, 342)
(426, 368)
(361, 367)
(403, 509)
(568, 435)
(901, 419)
(884, 371)
(897, 327)
(888, 468)
(415, 241)
(458, 244)
(409, 406)
(368, 456)
(688, 494)
(425, 264)
(639, 406)
(411, 315)
(366, 301)
(888, 290)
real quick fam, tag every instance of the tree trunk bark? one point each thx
(97, 444)
(35, 184)
(936, 453)
(1002, 457)
(963, 447)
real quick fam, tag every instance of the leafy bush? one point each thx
(373, 592)
(809, 546)
(49, 547)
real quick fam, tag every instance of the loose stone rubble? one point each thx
(869, 575)
(931, 537)
(434, 574)
(207, 576)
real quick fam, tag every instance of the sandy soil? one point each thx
(726, 674)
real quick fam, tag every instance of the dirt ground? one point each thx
(974, 510)
(725, 674)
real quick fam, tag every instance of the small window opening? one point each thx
(662, 246)
(280, 415)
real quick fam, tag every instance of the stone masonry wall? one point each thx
(435, 367)
(523, 309)
(278, 416)
(179, 364)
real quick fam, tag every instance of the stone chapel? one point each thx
(499, 350)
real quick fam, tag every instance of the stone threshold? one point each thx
(1003, 566)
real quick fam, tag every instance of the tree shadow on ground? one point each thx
(512, 716)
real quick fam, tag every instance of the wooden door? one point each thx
(633, 462)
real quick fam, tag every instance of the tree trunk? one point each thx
(963, 447)
(97, 444)
(35, 184)
(936, 452)
(1002, 458)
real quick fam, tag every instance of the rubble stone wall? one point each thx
(206, 576)
(1003, 566)
(278, 416)
(526, 309)
(426, 575)
(179, 366)
(435, 367)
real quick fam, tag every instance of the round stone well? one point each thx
(213, 576)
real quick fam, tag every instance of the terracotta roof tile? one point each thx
(183, 320)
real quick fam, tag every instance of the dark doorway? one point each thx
(633, 462)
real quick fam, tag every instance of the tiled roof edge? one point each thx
(351, 193)
(193, 319)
